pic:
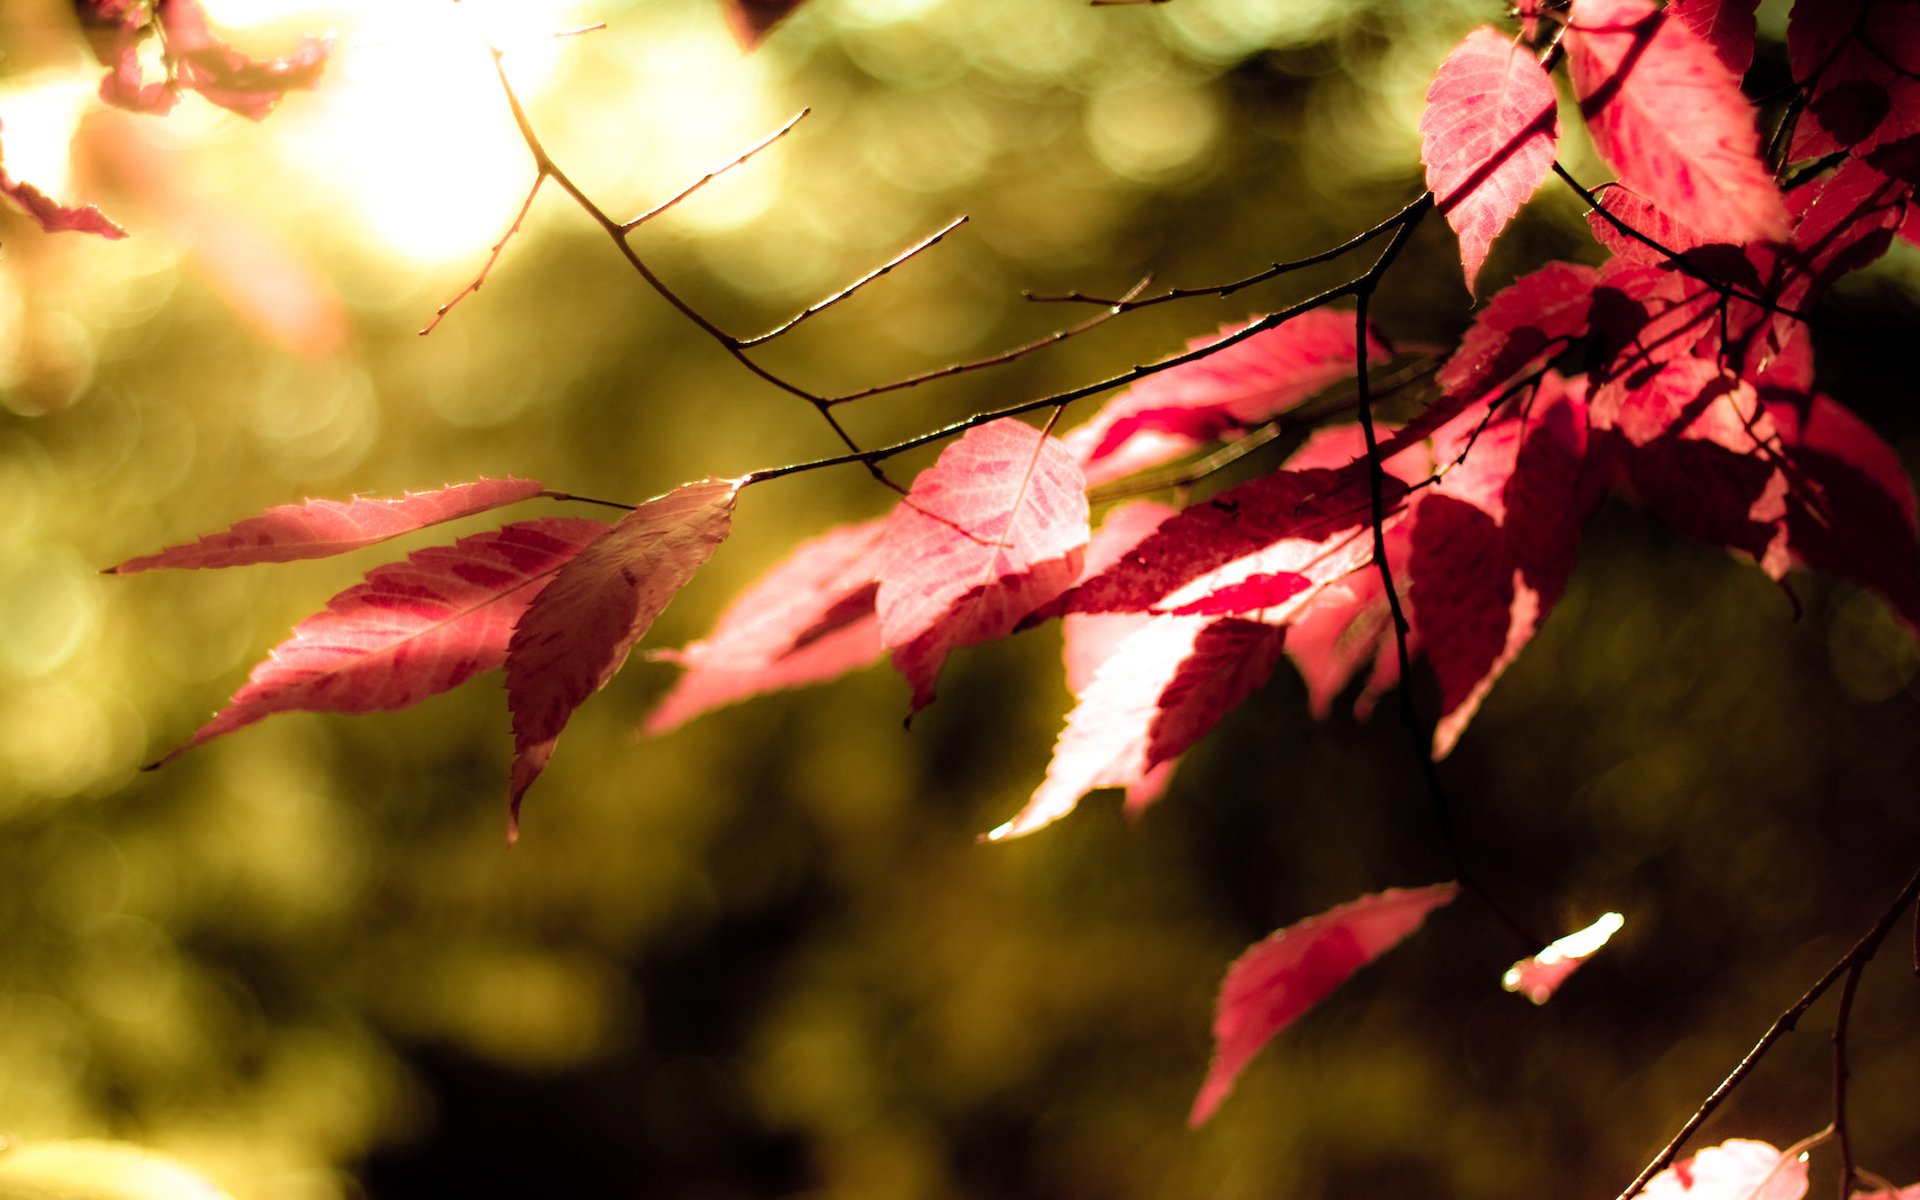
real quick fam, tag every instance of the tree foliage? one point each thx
(1427, 504)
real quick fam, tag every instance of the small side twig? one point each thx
(486, 268)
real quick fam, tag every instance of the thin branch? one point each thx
(926, 243)
(1840, 1133)
(635, 223)
(1782, 1025)
(1674, 258)
(1129, 303)
(994, 360)
(552, 495)
(440, 314)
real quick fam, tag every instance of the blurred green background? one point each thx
(764, 956)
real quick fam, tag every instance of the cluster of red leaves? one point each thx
(1677, 373)
(193, 58)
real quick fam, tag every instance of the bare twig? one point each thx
(926, 243)
(1840, 1133)
(635, 223)
(486, 268)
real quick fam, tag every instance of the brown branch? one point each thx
(1840, 1132)
(635, 222)
(926, 243)
(440, 314)
(1782, 1025)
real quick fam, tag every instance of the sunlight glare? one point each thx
(412, 136)
(41, 113)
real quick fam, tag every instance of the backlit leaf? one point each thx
(320, 528)
(1160, 691)
(577, 632)
(1234, 389)
(1277, 980)
(1538, 977)
(806, 621)
(411, 630)
(1487, 138)
(1634, 68)
(994, 529)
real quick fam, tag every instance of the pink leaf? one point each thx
(1850, 508)
(1160, 691)
(1487, 138)
(1277, 980)
(320, 528)
(1236, 388)
(226, 77)
(1726, 25)
(1634, 70)
(1309, 522)
(413, 629)
(1537, 978)
(1858, 60)
(1645, 217)
(55, 217)
(1492, 548)
(578, 631)
(993, 530)
(1736, 1169)
(1256, 592)
(752, 20)
(806, 621)
(1518, 330)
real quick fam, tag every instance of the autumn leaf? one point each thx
(1728, 26)
(1858, 61)
(808, 620)
(577, 632)
(752, 20)
(410, 630)
(1161, 690)
(1493, 546)
(1279, 979)
(1633, 69)
(320, 528)
(1306, 522)
(995, 529)
(1487, 138)
(1238, 387)
(1540, 976)
(1736, 1169)
(226, 77)
(1517, 331)
(55, 217)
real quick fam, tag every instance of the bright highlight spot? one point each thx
(1538, 977)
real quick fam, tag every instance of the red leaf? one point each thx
(55, 217)
(1858, 60)
(993, 530)
(1518, 330)
(1850, 508)
(1726, 25)
(1231, 390)
(806, 621)
(1160, 691)
(227, 77)
(577, 632)
(1311, 522)
(1643, 216)
(413, 629)
(1634, 70)
(1492, 548)
(1736, 1169)
(1537, 978)
(320, 528)
(753, 20)
(1278, 979)
(1487, 138)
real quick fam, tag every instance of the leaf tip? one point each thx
(1537, 978)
